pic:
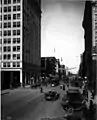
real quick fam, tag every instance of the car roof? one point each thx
(73, 91)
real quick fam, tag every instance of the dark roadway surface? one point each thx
(29, 104)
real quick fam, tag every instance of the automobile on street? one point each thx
(73, 101)
(52, 95)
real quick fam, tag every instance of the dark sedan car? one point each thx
(52, 95)
(73, 101)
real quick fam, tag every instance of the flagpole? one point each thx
(54, 52)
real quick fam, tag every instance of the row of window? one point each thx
(8, 64)
(15, 8)
(9, 1)
(8, 48)
(8, 16)
(14, 57)
(8, 40)
(8, 32)
(8, 24)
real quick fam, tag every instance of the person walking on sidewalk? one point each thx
(41, 89)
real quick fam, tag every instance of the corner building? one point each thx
(90, 53)
(20, 44)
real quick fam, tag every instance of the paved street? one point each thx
(29, 104)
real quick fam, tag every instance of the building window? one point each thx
(14, 56)
(9, 57)
(14, 16)
(5, 17)
(5, 9)
(14, 64)
(18, 56)
(18, 8)
(9, 8)
(14, 40)
(18, 48)
(5, 1)
(9, 1)
(9, 24)
(0, 9)
(4, 56)
(18, 1)
(8, 48)
(5, 33)
(14, 24)
(18, 32)
(18, 64)
(5, 25)
(9, 16)
(14, 8)
(0, 17)
(8, 64)
(0, 48)
(14, 49)
(9, 40)
(5, 41)
(14, 1)
(4, 64)
(0, 25)
(4, 49)
(18, 16)
(18, 24)
(0, 58)
(9, 32)
(14, 32)
(0, 41)
(0, 33)
(18, 40)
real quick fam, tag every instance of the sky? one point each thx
(62, 34)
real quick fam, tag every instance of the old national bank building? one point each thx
(20, 44)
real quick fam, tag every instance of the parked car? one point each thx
(52, 95)
(73, 101)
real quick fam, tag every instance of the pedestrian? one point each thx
(32, 80)
(41, 89)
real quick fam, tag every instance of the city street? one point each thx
(29, 104)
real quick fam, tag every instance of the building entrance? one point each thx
(10, 79)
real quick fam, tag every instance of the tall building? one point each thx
(48, 66)
(94, 30)
(20, 45)
(94, 42)
(90, 53)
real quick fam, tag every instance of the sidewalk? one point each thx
(6, 91)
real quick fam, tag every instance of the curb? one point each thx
(5, 93)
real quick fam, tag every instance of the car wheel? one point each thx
(70, 110)
(84, 102)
